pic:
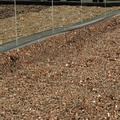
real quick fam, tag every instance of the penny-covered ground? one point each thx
(72, 76)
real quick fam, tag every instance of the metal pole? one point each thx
(52, 17)
(15, 9)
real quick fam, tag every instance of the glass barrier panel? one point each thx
(22, 19)
(7, 23)
(33, 18)
(73, 11)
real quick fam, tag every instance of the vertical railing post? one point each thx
(16, 32)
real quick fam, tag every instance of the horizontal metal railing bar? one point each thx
(83, 1)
